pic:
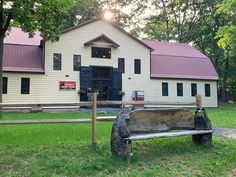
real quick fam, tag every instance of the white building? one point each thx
(102, 56)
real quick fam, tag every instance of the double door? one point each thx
(102, 87)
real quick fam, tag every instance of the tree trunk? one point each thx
(167, 30)
(225, 77)
(167, 21)
(1, 64)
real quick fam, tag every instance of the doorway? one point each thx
(102, 88)
(101, 82)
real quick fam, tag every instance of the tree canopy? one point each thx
(45, 16)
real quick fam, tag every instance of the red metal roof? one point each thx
(173, 49)
(22, 58)
(176, 60)
(17, 36)
(21, 53)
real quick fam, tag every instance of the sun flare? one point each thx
(108, 15)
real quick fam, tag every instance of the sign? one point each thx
(67, 85)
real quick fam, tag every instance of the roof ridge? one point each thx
(166, 42)
(184, 56)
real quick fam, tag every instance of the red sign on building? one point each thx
(67, 85)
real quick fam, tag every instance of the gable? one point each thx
(114, 25)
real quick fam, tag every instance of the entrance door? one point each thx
(101, 79)
(102, 88)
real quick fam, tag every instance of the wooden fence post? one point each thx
(94, 115)
(198, 101)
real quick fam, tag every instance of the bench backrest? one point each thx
(164, 119)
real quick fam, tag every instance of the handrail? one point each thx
(8, 105)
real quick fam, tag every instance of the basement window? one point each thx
(99, 52)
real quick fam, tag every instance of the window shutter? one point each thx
(85, 81)
(116, 84)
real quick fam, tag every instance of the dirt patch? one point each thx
(225, 132)
(232, 173)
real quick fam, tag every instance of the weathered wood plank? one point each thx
(157, 120)
(168, 134)
(94, 112)
(6, 105)
(56, 121)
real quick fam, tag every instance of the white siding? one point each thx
(153, 91)
(45, 87)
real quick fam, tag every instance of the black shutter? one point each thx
(116, 84)
(85, 81)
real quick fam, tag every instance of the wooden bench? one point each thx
(159, 123)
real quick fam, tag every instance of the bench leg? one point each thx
(204, 139)
(119, 146)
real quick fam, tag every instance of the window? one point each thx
(99, 52)
(137, 66)
(164, 89)
(121, 64)
(193, 89)
(179, 89)
(25, 85)
(207, 90)
(77, 62)
(4, 85)
(56, 61)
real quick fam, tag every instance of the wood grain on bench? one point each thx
(157, 120)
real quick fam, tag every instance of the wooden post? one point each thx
(198, 101)
(94, 115)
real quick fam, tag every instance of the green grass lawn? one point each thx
(224, 116)
(65, 150)
(47, 115)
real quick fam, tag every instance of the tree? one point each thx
(82, 11)
(227, 41)
(176, 19)
(31, 15)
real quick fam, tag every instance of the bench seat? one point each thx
(167, 134)
(159, 123)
